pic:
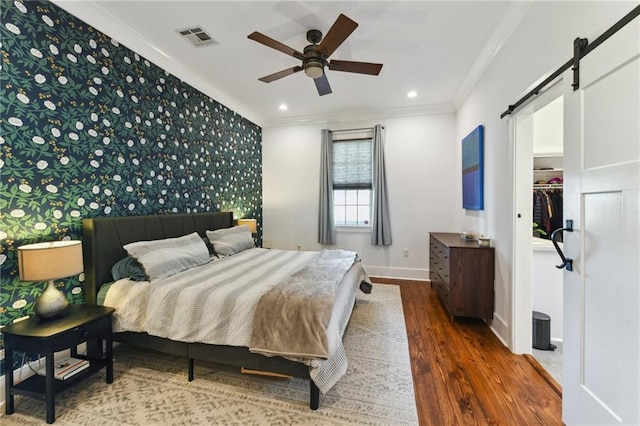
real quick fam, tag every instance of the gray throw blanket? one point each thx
(291, 319)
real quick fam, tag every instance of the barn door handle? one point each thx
(566, 262)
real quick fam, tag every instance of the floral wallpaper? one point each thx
(89, 128)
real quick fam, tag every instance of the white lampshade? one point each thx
(251, 223)
(50, 260)
(46, 262)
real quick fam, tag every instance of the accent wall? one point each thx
(90, 128)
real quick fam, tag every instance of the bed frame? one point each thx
(103, 239)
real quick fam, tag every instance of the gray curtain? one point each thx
(380, 222)
(326, 230)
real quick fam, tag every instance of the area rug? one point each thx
(152, 388)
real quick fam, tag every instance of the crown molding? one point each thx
(359, 116)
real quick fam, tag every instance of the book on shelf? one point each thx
(64, 368)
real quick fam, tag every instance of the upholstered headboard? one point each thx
(103, 238)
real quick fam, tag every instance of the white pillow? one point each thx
(228, 241)
(163, 258)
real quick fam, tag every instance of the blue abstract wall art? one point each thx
(473, 170)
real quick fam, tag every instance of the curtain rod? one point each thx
(581, 53)
(352, 130)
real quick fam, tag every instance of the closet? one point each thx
(547, 168)
(546, 279)
(547, 193)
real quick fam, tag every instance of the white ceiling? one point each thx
(438, 49)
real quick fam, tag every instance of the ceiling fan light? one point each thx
(314, 71)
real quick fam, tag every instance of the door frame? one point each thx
(521, 134)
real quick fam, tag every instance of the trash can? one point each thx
(542, 332)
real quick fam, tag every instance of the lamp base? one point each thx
(51, 304)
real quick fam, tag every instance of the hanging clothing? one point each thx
(547, 211)
(556, 202)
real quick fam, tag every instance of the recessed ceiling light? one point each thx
(283, 107)
(412, 94)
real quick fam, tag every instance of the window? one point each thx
(352, 171)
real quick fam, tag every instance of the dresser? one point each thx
(462, 274)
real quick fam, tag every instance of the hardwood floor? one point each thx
(462, 373)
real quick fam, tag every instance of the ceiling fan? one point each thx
(315, 56)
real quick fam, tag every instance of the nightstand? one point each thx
(79, 324)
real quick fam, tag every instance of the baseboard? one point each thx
(413, 274)
(500, 328)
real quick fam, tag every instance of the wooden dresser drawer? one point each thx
(442, 291)
(439, 249)
(439, 286)
(439, 259)
(435, 262)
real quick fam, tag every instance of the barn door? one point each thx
(601, 365)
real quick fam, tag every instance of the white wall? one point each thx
(548, 127)
(421, 158)
(539, 45)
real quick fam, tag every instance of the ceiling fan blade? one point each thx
(338, 33)
(357, 67)
(322, 84)
(278, 75)
(274, 44)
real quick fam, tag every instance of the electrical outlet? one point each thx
(405, 252)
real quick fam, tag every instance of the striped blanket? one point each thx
(215, 303)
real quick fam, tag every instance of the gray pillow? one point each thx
(163, 258)
(228, 241)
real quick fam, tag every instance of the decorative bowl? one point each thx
(467, 236)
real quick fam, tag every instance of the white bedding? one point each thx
(219, 305)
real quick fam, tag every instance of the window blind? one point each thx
(352, 164)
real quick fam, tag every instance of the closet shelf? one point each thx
(548, 154)
(547, 185)
(547, 170)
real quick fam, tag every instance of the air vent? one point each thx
(198, 37)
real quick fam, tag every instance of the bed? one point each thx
(103, 241)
